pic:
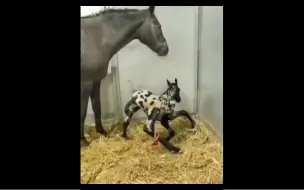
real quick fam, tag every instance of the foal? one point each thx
(157, 108)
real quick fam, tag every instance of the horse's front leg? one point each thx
(96, 106)
(184, 113)
(86, 88)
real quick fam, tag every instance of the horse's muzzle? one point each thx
(164, 50)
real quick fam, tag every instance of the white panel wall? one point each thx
(211, 67)
(141, 68)
(87, 10)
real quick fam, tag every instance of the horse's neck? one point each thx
(125, 33)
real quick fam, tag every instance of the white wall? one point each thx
(87, 10)
(211, 67)
(139, 67)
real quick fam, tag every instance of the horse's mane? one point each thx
(110, 11)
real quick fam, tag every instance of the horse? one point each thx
(157, 108)
(102, 35)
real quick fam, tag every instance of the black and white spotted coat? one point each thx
(147, 101)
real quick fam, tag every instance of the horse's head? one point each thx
(150, 34)
(173, 90)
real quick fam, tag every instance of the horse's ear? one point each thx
(175, 81)
(169, 83)
(151, 9)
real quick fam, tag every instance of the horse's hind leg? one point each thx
(86, 87)
(130, 109)
(165, 122)
(96, 106)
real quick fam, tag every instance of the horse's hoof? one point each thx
(84, 143)
(102, 132)
(127, 138)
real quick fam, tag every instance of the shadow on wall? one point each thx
(211, 110)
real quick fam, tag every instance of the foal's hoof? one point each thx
(84, 143)
(194, 129)
(177, 150)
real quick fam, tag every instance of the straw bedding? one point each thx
(114, 160)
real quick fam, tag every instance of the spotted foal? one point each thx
(157, 108)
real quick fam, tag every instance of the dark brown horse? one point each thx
(102, 36)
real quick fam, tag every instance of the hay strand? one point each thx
(117, 161)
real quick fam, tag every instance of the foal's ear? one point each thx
(169, 83)
(175, 81)
(151, 9)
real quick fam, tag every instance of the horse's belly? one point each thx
(94, 72)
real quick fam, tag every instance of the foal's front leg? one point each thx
(165, 122)
(96, 106)
(185, 114)
(152, 119)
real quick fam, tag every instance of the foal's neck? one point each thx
(124, 28)
(165, 95)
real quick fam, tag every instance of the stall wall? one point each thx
(140, 68)
(211, 67)
(137, 67)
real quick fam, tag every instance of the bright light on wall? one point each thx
(87, 10)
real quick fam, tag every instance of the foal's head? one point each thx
(173, 91)
(150, 34)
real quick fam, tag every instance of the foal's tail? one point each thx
(132, 87)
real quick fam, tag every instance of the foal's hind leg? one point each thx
(130, 110)
(165, 122)
(86, 87)
(185, 114)
(96, 106)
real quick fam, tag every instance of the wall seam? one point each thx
(198, 59)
